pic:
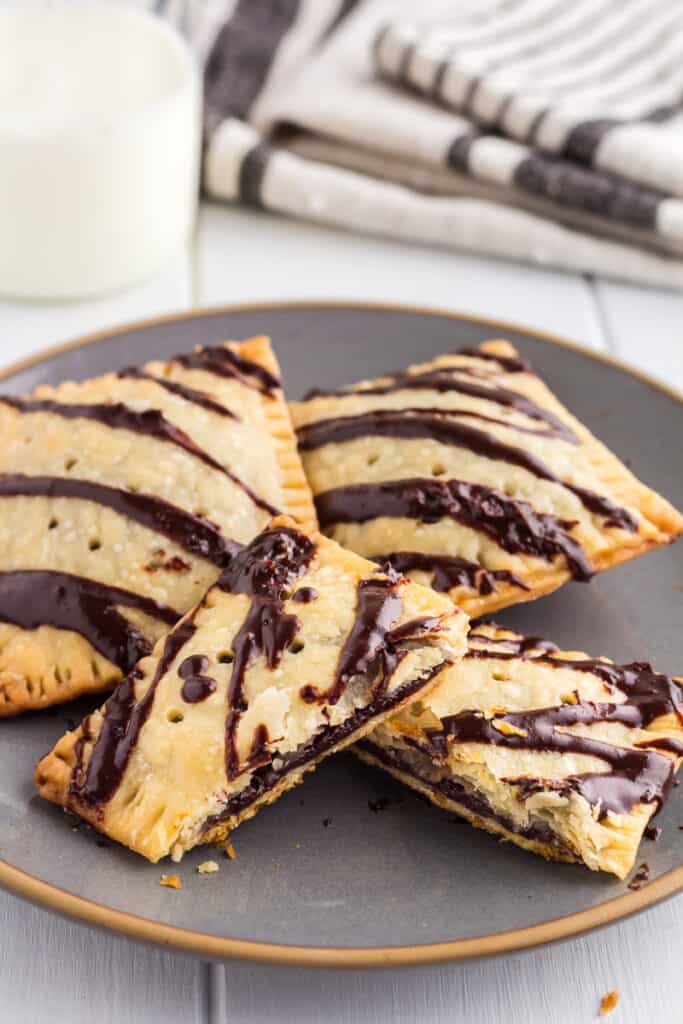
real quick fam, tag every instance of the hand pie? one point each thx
(561, 754)
(466, 473)
(297, 650)
(122, 498)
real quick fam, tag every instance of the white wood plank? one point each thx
(53, 970)
(27, 327)
(645, 327)
(245, 255)
(562, 984)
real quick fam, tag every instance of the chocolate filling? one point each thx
(455, 790)
(267, 777)
(439, 425)
(194, 534)
(31, 598)
(511, 523)
(200, 398)
(223, 362)
(449, 571)
(150, 422)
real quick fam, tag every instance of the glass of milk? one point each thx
(100, 142)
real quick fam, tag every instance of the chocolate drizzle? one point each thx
(449, 571)
(511, 364)
(650, 694)
(511, 523)
(200, 398)
(192, 533)
(121, 724)
(368, 649)
(196, 685)
(634, 776)
(263, 570)
(430, 422)
(441, 426)
(32, 598)
(459, 379)
(223, 362)
(150, 422)
(514, 647)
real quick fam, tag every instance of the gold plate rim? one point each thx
(221, 948)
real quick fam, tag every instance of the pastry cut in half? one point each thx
(562, 754)
(297, 650)
(122, 498)
(467, 473)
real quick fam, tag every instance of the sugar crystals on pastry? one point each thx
(297, 650)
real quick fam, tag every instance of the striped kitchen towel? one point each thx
(536, 130)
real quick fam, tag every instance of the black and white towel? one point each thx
(537, 130)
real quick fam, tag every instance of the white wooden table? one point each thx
(56, 971)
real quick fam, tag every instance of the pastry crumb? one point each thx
(230, 851)
(378, 805)
(507, 728)
(171, 882)
(608, 1002)
(207, 867)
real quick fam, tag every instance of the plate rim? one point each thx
(214, 947)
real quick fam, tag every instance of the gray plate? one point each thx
(407, 876)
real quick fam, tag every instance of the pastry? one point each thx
(122, 499)
(466, 473)
(298, 649)
(561, 754)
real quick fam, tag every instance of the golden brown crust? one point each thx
(176, 781)
(48, 665)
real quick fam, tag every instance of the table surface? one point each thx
(52, 969)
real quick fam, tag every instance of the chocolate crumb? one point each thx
(379, 805)
(641, 877)
(102, 843)
(327, 822)
(653, 832)
(174, 564)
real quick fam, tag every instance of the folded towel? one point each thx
(529, 129)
